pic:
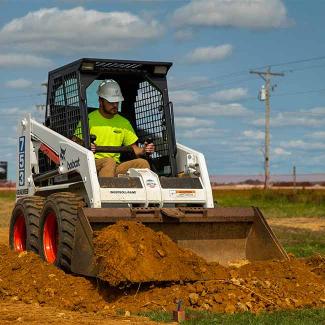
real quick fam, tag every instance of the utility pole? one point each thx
(41, 107)
(266, 76)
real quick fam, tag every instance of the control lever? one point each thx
(148, 156)
(148, 141)
(93, 138)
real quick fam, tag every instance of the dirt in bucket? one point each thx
(131, 252)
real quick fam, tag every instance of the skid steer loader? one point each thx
(61, 201)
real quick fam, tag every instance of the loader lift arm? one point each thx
(70, 156)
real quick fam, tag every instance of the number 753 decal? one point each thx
(21, 161)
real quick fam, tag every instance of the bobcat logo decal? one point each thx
(62, 154)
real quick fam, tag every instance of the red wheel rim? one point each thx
(20, 234)
(50, 238)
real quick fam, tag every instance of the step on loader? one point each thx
(61, 201)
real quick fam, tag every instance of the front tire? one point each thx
(24, 224)
(57, 228)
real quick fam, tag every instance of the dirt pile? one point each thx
(136, 253)
(262, 286)
(24, 277)
(131, 252)
(317, 264)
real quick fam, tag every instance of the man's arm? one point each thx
(141, 151)
(77, 140)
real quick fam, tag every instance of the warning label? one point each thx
(182, 193)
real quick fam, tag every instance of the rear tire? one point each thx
(24, 224)
(57, 228)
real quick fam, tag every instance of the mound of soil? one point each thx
(317, 264)
(25, 277)
(256, 287)
(131, 252)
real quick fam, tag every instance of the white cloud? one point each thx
(234, 13)
(281, 152)
(8, 138)
(209, 54)
(230, 94)
(314, 161)
(199, 133)
(292, 119)
(23, 60)
(12, 115)
(317, 135)
(300, 144)
(18, 83)
(183, 96)
(258, 135)
(190, 122)
(191, 83)
(13, 111)
(318, 110)
(212, 109)
(183, 35)
(77, 30)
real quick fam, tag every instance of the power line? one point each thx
(301, 92)
(243, 72)
(305, 68)
(303, 113)
(214, 84)
(294, 62)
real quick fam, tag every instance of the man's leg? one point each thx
(105, 167)
(135, 163)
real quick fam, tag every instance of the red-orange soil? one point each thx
(254, 287)
(131, 252)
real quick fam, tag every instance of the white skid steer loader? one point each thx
(61, 201)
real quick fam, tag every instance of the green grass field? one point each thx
(292, 317)
(276, 203)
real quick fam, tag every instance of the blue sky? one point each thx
(213, 45)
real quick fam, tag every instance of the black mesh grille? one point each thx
(102, 66)
(64, 106)
(180, 182)
(150, 118)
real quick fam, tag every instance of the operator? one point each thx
(111, 129)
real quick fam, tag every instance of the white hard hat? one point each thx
(110, 90)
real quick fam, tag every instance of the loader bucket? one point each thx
(218, 234)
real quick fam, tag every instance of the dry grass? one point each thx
(4, 234)
(6, 206)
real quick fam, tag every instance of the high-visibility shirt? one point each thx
(116, 131)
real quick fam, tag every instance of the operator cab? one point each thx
(72, 96)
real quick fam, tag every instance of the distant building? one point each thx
(3, 170)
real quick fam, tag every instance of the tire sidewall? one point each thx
(49, 207)
(17, 211)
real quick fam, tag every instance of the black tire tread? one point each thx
(31, 207)
(67, 204)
